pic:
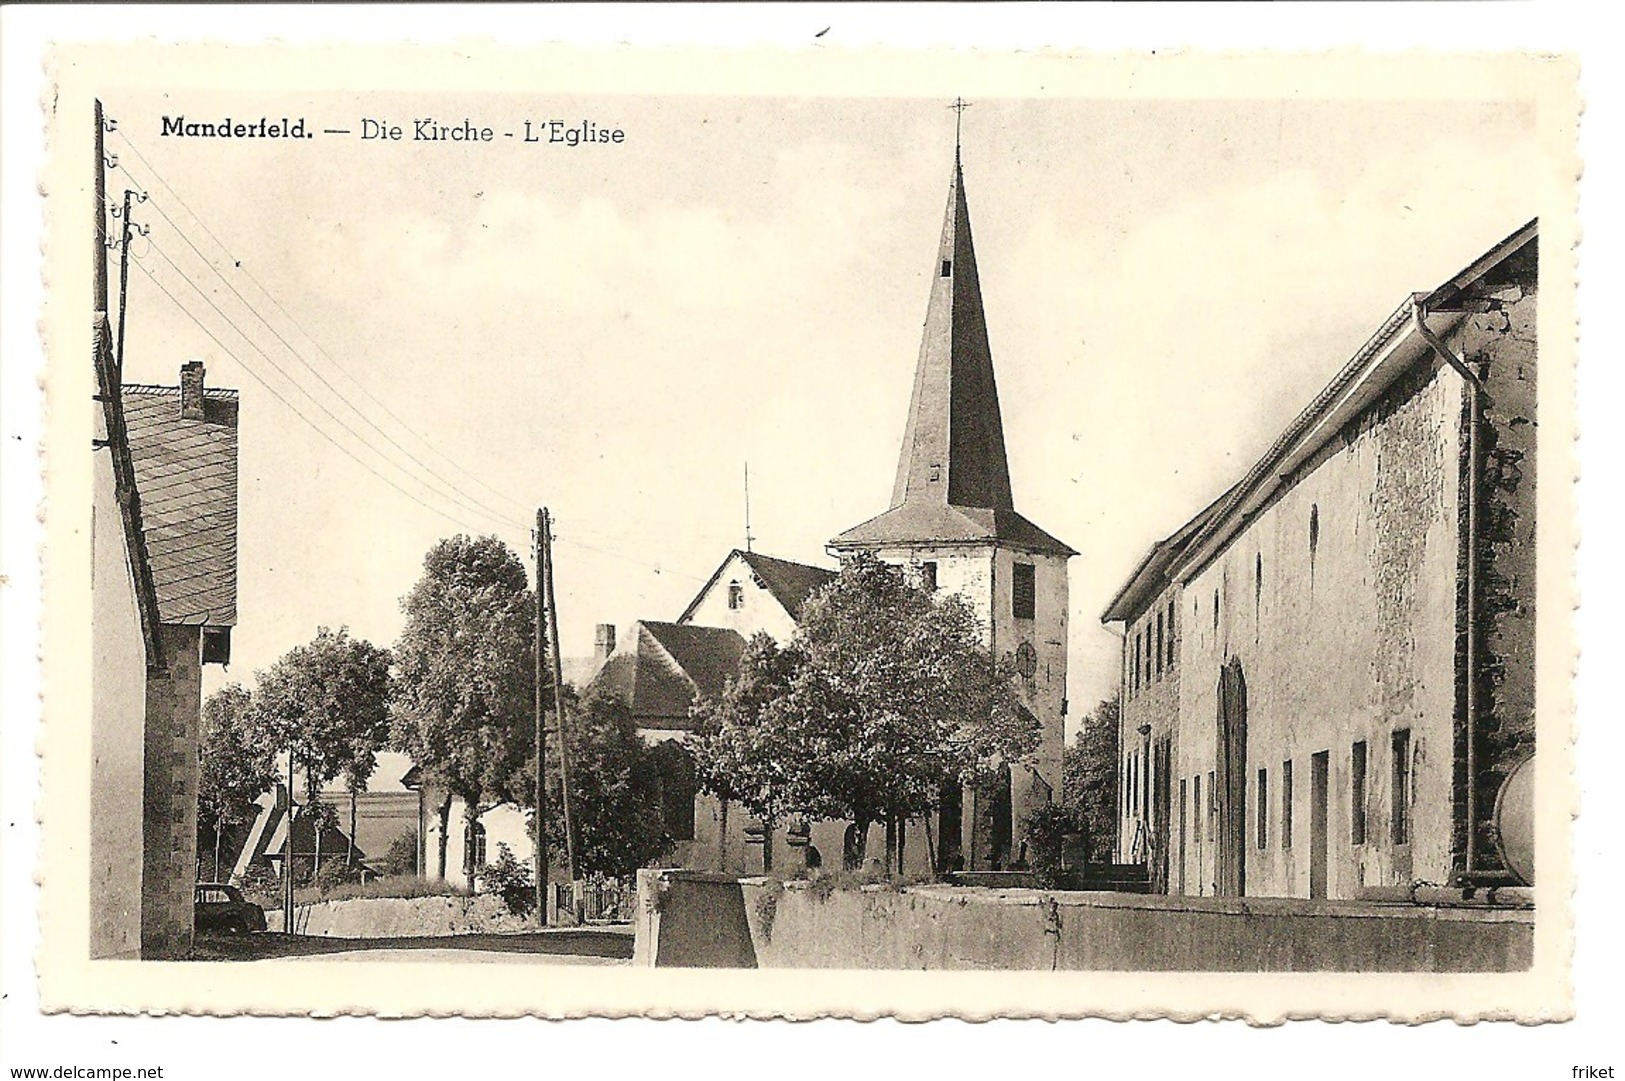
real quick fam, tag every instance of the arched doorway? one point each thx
(1232, 781)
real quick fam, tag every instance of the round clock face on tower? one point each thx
(1026, 660)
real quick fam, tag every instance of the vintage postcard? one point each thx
(609, 514)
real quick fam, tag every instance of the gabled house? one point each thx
(751, 592)
(1328, 674)
(171, 473)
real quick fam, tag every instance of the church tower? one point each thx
(953, 525)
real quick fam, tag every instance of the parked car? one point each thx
(222, 909)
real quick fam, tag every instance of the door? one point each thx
(1180, 866)
(1319, 838)
(1231, 782)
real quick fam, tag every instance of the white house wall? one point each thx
(759, 609)
(118, 722)
(1349, 643)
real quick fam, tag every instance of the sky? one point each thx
(614, 331)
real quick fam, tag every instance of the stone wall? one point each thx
(169, 799)
(1501, 344)
(402, 917)
(690, 920)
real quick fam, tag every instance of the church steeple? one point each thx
(953, 477)
(953, 446)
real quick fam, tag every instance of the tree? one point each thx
(615, 795)
(234, 766)
(886, 694)
(748, 739)
(463, 703)
(326, 703)
(1089, 777)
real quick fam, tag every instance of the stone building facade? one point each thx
(1328, 673)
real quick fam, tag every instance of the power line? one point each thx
(451, 486)
(237, 263)
(453, 498)
(291, 407)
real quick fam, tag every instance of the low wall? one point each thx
(702, 920)
(401, 917)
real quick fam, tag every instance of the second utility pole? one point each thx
(541, 739)
(558, 694)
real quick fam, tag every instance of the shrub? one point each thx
(406, 886)
(402, 857)
(335, 874)
(1046, 829)
(511, 880)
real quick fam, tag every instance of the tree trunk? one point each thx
(349, 856)
(316, 826)
(217, 850)
(471, 818)
(891, 843)
(445, 825)
(767, 845)
(860, 850)
(902, 846)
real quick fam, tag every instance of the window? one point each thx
(1212, 804)
(947, 268)
(1314, 533)
(1215, 610)
(1286, 804)
(1196, 807)
(928, 577)
(1023, 591)
(1134, 665)
(1258, 590)
(1160, 652)
(736, 596)
(1357, 794)
(1400, 788)
(474, 847)
(1171, 651)
(1263, 807)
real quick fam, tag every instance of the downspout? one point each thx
(1475, 414)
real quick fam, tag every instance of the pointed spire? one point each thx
(953, 447)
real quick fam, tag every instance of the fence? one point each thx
(607, 900)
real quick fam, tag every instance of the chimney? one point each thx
(192, 390)
(603, 642)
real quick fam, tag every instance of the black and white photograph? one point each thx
(1037, 539)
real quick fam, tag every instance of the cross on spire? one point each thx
(959, 106)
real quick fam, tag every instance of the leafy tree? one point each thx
(402, 857)
(748, 739)
(885, 695)
(326, 702)
(1089, 777)
(615, 788)
(463, 703)
(235, 767)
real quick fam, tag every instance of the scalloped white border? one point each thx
(316, 989)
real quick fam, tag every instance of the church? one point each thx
(952, 527)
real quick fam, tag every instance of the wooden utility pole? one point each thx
(558, 694)
(123, 282)
(541, 736)
(287, 856)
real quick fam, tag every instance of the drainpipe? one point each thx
(1475, 388)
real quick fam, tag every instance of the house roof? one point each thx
(666, 666)
(186, 474)
(1377, 363)
(789, 582)
(953, 475)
